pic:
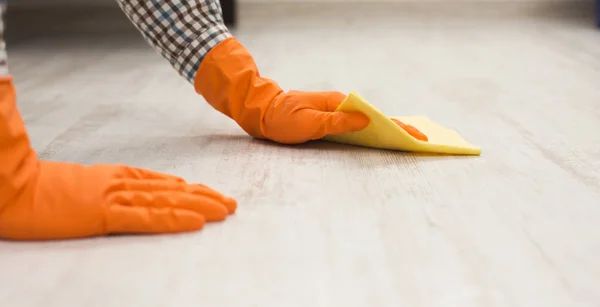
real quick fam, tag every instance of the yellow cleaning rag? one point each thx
(383, 133)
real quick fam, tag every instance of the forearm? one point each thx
(182, 31)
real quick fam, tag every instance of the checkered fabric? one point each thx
(182, 31)
(3, 57)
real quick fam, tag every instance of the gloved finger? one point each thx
(140, 173)
(200, 189)
(163, 185)
(334, 99)
(146, 185)
(341, 122)
(210, 208)
(320, 101)
(414, 132)
(124, 219)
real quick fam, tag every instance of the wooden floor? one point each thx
(323, 224)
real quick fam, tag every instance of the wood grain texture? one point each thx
(324, 224)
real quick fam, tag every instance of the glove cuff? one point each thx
(230, 82)
(19, 160)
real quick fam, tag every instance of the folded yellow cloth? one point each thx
(383, 133)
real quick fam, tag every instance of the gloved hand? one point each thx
(49, 200)
(229, 80)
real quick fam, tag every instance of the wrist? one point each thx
(230, 82)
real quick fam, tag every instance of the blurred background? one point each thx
(60, 16)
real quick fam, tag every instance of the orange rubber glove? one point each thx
(229, 81)
(49, 200)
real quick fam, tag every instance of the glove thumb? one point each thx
(343, 122)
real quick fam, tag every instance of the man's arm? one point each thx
(187, 32)
(182, 31)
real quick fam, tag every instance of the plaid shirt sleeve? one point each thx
(182, 31)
